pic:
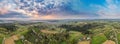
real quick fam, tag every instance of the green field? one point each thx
(119, 38)
(19, 42)
(91, 32)
(98, 39)
(1, 40)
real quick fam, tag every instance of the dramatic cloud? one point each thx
(32, 8)
(60, 9)
(39, 6)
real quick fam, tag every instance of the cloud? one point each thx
(41, 6)
(6, 6)
(110, 10)
(60, 9)
(3, 10)
(12, 14)
(36, 8)
(45, 9)
(111, 4)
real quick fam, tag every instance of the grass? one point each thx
(1, 39)
(19, 42)
(49, 32)
(74, 36)
(118, 38)
(22, 30)
(98, 39)
(84, 42)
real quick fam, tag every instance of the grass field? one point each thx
(119, 38)
(84, 42)
(1, 39)
(18, 42)
(74, 36)
(98, 39)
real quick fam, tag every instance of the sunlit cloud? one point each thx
(6, 6)
(3, 11)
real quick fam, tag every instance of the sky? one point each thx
(59, 9)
